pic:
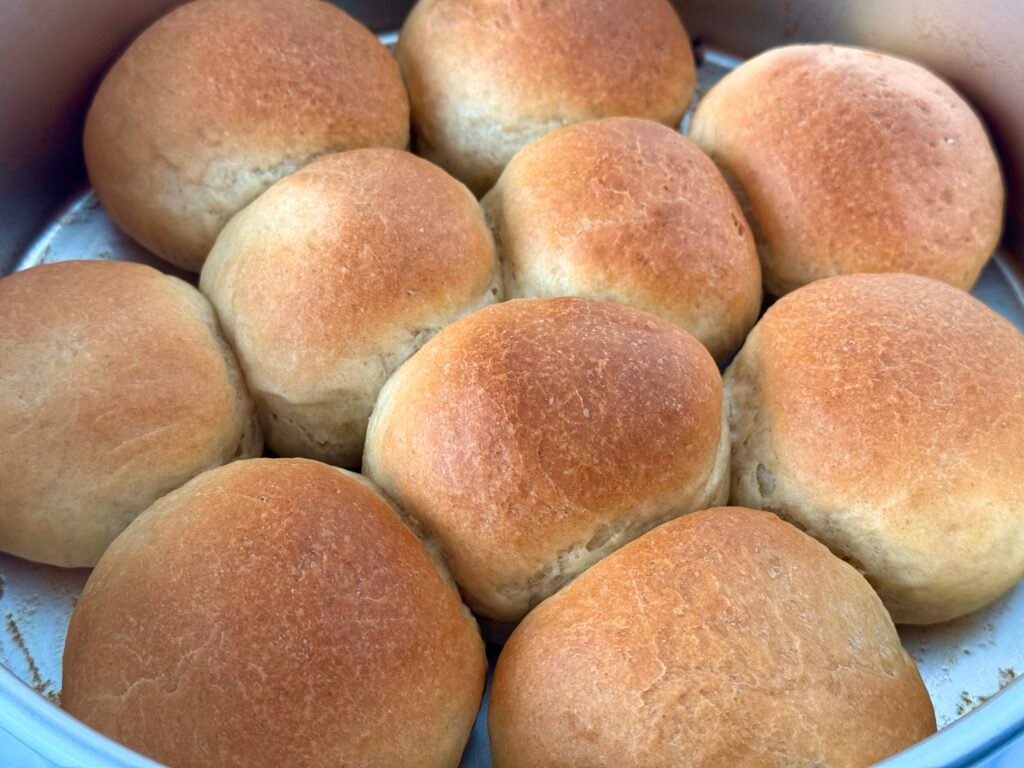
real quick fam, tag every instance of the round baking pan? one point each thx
(969, 665)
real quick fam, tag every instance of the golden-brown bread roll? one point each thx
(536, 436)
(117, 387)
(221, 98)
(724, 638)
(848, 160)
(275, 612)
(335, 276)
(631, 211)
(487, 77)
(884, 414)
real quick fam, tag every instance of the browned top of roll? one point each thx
(523, 65)
(854, 161)
(220, 98)
(117, 387)
(342, 261)
(603, 55)
(871, 382)
(529, 426)
(252, 73)
(726, 637)
(629, 210)
(274, 612)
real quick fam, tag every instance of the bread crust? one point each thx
(117, 388)
(726, 637)
(487, 77)
(536, 436)
(334, 277)
(851, 161)
(221, 98)
(274, 612)
(628, 210)
(884, 414)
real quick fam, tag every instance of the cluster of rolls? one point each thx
(529, 386)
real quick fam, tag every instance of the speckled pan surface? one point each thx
(965, 663)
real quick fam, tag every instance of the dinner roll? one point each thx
(221, 98)
(725, 638)
(884, 415)
(487, 77)
(271, 613)
(629, 210)
(534, 437)
(116, 388)
(852, 161)
(336, 275)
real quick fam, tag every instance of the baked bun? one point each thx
(725, 638)
(884, 415)
(852, 161)
(271, 613)
(117, 388)
(536, 436)
(631, 211)
(335, 276)
(221, 98)
(487, 77)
